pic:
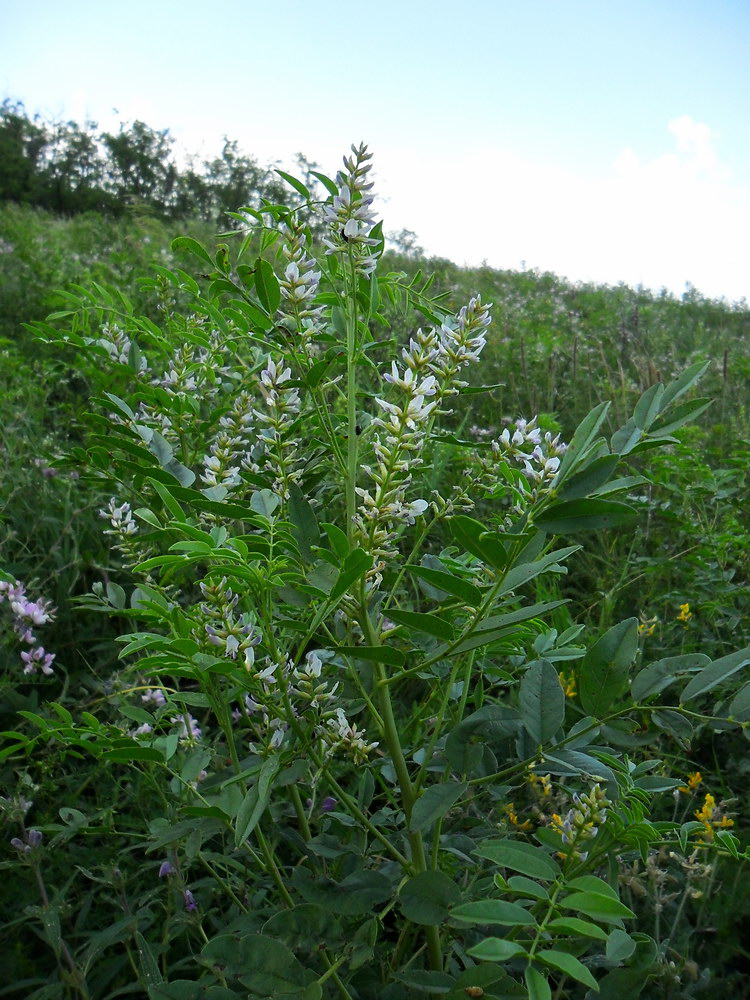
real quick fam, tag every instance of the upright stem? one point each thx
(351, 404)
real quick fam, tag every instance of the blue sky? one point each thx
(602, 140)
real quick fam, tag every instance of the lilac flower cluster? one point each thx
(31, 840)
(282, 405)
(27, 615)
(349, 216)
(299, 286)
(538, 453)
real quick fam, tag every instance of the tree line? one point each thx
(67, 168)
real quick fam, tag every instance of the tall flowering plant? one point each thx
(346, 679)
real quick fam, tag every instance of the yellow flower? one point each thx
(510, 812)
(647, 626)
(568, 682)
(685, 613)
(711, 817)
(693, 780)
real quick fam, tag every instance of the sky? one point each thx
(603, 140)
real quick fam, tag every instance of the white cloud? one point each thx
(676, 218)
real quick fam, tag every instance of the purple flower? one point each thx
(328, 804)
(37, 658)
(190, 904)
(167, 868)
(31, 839)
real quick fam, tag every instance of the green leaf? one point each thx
(739, 709)
(121, 405)
(486, 545)
(620, 945)
(592, 883)
(493, 911)
(264, 502)
(683, 382)
(597, 906)
(520, 857)
(327, 183)
(576, 927)
(526, 886)
(167, 499)
(256, 800)
(584, 515)
(265, 966)
(188, 989)
(602, 675)
(521, 574)
(648, 406)
(659, 675)
(147, 961)
(337, 538)
(375, 654)
(429, 624)
(434, 803)
(355, 565)
(193, 247)
(590, 479)
(495, 949)
(124, 755)
(569, 965)
(427, 898)
(583, 438)
(680, 416)
(449, 584)
(267, 286)
(497, 625)
(304, 523)
(299, 925)
(355, 895)
(537, 985)
(298, 186)
(715, 673)
(542, 701)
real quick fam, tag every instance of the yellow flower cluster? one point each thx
(510, 812)
(710, 815)
(647, 626)
(685, 613)
(568, 682)
(693, 780)
(541, 783)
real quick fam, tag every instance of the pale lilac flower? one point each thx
(37, 659)
(154, 697)
(190, 904)
(166, 868)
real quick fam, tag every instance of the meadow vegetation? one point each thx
(370, 627)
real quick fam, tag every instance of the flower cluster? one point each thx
(582, 822)
(349, 216)
(344, 735)
(31, 840)
(299, 286)
(28, 615)
(221, 628)
(647, 626)
(120, 517)
(231, 447)
(443, 352)
(282, 405)
(538, 453)
(694, 779)
(118, 345)
(685, 614)
(712, 817)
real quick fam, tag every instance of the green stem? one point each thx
(351, 405)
